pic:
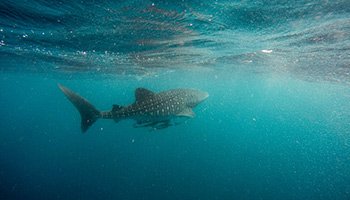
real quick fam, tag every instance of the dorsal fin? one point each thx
(116, 107)
(142, 93)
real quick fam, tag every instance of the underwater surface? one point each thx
(276, 124)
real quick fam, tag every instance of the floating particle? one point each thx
(266, 51)
(82, 52)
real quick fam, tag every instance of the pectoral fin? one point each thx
(187, 112)
(156, 125)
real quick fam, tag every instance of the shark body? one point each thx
(150, 108)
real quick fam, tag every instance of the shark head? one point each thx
(194, 97)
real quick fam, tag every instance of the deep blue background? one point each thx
(254, 138)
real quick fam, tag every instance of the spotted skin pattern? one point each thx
(158, 106)
(149, 108)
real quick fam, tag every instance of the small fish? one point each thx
(149, 110)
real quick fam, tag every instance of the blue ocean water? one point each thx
(275, 126)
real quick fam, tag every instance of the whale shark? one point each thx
(150, 109)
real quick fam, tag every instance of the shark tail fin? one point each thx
(89, 114)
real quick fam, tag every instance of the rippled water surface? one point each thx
(275, 126)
